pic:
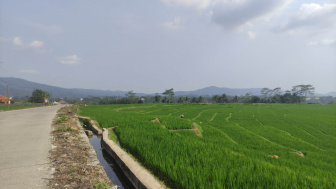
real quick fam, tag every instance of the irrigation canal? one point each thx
(111, 168)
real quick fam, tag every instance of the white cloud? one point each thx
(173, 24)
(251, 35)
(325, 42)
(17, 41)
(73, 59)
(197, 4)
(310, 10)
(29, 71)
(236, 14)
(36, 44)
(311, 18)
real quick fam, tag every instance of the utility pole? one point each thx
(33, 97)
(8, 98)
(52, 98)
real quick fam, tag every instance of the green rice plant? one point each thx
(113, 136)
(174, 123)
(237, 144)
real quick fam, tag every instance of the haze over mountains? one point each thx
(20, 88)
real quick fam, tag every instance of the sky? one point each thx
(149, 46)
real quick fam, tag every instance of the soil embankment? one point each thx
(73, 158)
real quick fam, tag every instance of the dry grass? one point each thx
(76, 166)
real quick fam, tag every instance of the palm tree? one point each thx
(215, 98)
(236, 99)
(225, 98)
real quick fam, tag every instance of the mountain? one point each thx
(331, 94)
(20, 88)
(219, 91)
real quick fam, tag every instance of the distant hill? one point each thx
(20, 88)
(331, 94)
(219, 91)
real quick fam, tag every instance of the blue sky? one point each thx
(152, 45)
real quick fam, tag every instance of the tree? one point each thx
(303, 90)
(277, 91)
(200, 99)
(255, 99)
(130, 94)
(180, 99)
(236, 99)
(266, 93)
(247, 98)
(169, 95)
(276, 94)
(193, 100)
(132, 99)
(224, 98)
(286, 98)
(38, 96)
(157, 98)
(141, 100)
(216, 98)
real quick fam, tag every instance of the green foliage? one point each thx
(5, 108)
(174, 123)
(157, 98)
(38, 96)
(200, 99)
(113, 136)
(102, 185)
(169, 98)
(65, 129)
(61, 119)
(85, 123)
(236, 146)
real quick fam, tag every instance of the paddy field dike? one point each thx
(227, 145)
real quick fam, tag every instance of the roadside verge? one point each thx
(72, 157)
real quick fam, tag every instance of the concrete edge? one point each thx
(138, 176)
(93, 155)
(95, 128)
(92, 126)
(92, 159)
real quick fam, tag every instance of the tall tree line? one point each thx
(298, 94)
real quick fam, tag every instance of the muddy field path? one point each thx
(24, 147)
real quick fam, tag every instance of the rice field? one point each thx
(228, 145)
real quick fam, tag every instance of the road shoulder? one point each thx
(72, 157)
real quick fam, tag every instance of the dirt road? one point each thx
(24, 147)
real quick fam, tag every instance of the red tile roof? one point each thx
(3, 97)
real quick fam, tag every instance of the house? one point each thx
(5, 100)
(63, 102)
